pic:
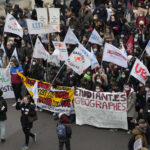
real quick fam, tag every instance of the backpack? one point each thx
(131, 143)
(61, 131)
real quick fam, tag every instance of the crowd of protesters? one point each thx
(115, 21)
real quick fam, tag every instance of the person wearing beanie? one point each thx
(64, 131)
(3, 117)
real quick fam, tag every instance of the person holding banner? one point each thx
(15, 79)
(27, 109)
(131, 99)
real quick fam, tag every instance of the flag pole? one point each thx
(142, 54)
(57, 73)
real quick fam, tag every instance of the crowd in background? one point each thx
(115, 21)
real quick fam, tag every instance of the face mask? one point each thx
(123, 76)
(95, 50)
(97, 90)
(61, 3)
(140, 85)
(146, 89)
(127, 89)
(33, 63)
(98, 80)
(88, 72)
(141, 15)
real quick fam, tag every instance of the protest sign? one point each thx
(101, 109)
(140, 71)
(55, 100)
(37, 27)
(61, 46)
(54, 17)
(12, 26)
(5, 83)
(114, 55)
(42, 15)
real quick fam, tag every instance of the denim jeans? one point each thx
(148, 147)
(2, 127)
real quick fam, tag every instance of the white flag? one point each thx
(39, 50)
(71, 38)
(54, 58)
(94, 62)
(3, 48)
(12, 26)
(15, 54)
(140, 71)
(96, 38)
(79, 60)
(54, 17)
(37, 27)
(61, 46)
(35, 92)
(148, 48)
(114, 55)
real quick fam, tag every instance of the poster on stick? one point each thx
(5, 83)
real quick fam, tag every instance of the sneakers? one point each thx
(3, 140)
(14, 105)
(34, 139)
(25, 147)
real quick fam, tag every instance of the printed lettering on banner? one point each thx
(12, 26)
(5, 83)
(78, 60)
(51, 99)
(140, 71)
(114, 55)
(101, 109)
(37, 27)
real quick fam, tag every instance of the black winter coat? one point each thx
(3, 109)
(30, 108)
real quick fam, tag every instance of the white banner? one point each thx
(99, 109)
(37, 27)
(61, 46)
(114, 55)
(140, 71)
(79, 60)
(96, 38)
(5, 83)
(12, 26)
(39, 50)
(54, 17)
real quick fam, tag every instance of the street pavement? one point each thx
(83, 137)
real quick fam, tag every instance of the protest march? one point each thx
(86, 62)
